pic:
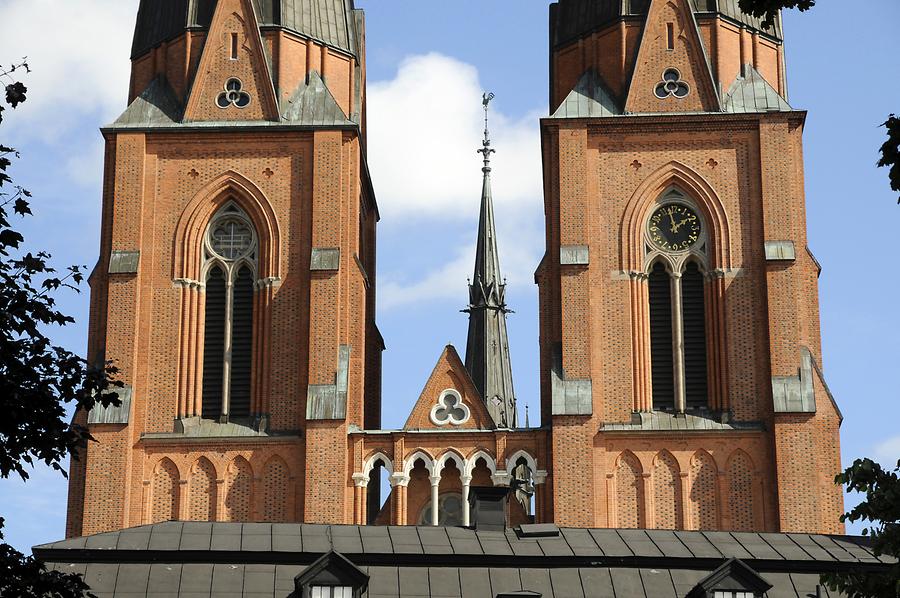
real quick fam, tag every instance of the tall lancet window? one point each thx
(230, 250)
(676, 247)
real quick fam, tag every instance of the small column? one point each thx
(466, 480)
(361, 482)
(501, 478)
(399, 481)
(435, 487)
(678, 343)
(539, 479)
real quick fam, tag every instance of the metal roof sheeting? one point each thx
(262, 559)
(313, 105)
(750, 92)
(156, 106)
(576, 18)
(328, 21)
(590, 98)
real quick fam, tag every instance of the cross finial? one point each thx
(486, 150)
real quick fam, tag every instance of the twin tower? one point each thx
(680, 353)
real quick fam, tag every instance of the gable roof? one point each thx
(449, 373)
(251, 70)
(590, 98)
(690, 60)
(176, 558)
(734, 575)
(332, 567)
(750, 92)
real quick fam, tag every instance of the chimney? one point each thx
(488, 508)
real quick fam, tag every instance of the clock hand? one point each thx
(674, 227)
(680, 224)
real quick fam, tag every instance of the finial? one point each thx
(527, 424)
(486, 150)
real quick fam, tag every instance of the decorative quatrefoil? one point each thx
(450, 409)
(672, 85)
(234, 95)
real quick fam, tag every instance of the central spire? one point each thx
(487, 349)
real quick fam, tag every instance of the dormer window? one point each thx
(332, 576)
(331, 592)
(734, 579)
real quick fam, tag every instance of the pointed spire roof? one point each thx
(487, 349)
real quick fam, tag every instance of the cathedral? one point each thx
(684, 413)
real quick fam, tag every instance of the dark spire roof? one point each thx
(331, 22)
(487, 349)
(573, 19)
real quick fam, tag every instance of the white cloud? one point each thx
(425, 126)
(888, 452)
(78, 52)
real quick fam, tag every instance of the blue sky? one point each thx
(428, 64)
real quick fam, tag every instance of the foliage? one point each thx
(881, 508)
(768, 9)
(890, 152)
(37, 379)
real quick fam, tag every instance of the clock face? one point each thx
(674, 227)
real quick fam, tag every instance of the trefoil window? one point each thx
(672, 85)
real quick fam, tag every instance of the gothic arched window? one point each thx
(230, 250)
(676, 247)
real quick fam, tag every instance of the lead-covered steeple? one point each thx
(487, 349)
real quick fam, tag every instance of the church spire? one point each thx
(487, 349)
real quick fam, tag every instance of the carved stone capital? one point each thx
(399, 479)
(361, 480)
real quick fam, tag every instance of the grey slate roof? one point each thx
(331, 22)
(261, 559)
(590, 98)
(751, 93)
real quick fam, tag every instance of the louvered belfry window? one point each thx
(693, 313)
(661, 355)
(230, 266)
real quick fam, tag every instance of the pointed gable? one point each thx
(233, 82)
(449, 400)
(672, 72)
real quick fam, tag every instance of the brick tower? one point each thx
(680, 343)
(679, 329)
(235, 288)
